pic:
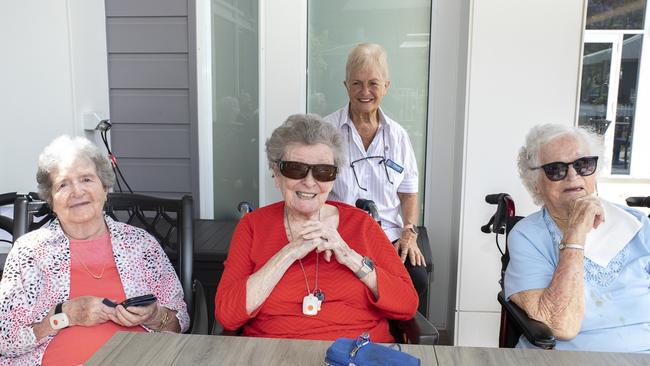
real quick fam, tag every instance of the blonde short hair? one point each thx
(366, 54)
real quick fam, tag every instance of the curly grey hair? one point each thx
(306, 129)
(65, 148)
(366, 54)
(539, 136)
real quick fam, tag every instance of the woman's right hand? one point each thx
(587, 214)
(300, 247)
(87, 311)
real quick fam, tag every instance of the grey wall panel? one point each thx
(144, 35)
(157, 175)
(151, 53)
(151, 141)
(149, 106)
(146, 7)
(162, 71)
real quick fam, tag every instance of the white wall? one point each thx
(523, 69)
(53, 70)
(283, 81)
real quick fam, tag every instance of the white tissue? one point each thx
(604, 243)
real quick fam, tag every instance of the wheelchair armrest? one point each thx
(537, 333)
(417, 330)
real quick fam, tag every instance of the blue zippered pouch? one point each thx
(362, 352)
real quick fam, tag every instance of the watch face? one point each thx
(367, 262)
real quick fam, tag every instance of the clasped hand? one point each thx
(321, 237)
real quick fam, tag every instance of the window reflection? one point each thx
(235, 105)
(615, 14)
(627, 87)
(402, 28)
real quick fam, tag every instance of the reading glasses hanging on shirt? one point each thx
(382, 161)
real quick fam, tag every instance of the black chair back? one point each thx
(170, 221)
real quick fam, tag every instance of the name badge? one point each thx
(393, 165)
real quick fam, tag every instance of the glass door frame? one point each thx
(616, 41)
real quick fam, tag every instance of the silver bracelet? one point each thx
(572, 246)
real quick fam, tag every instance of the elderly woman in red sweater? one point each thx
(306, 267)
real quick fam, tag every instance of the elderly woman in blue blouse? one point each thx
(581, 265)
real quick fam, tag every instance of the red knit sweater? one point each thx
(349, 308)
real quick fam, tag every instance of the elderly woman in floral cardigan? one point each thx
(60, 282)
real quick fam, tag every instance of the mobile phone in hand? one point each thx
(143, 300)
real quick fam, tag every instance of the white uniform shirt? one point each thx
(390, 142)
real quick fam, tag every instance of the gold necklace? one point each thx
(97, 277)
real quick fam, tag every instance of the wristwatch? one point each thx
(59, 320)
(367, 266)
(412, 228)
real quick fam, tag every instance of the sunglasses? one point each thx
(558, 170)
(297, 170)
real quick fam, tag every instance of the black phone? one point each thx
(143, 300)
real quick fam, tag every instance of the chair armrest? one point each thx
(417, 330)
(537, 333)
(217, 329)
(200, 311)
(425, 248)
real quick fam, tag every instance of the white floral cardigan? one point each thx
(37, 276)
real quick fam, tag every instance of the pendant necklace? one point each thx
(97, 277)
(311, 303)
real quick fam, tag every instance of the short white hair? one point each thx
(541, 135)
(69, 148)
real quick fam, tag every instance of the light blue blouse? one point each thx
(617, 297)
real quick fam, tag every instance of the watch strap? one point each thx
(412, 228)
(59, 308)
(367, 266)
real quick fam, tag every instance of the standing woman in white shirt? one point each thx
(381, 162)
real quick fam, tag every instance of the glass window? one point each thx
(235, 105)
(615, 14)
(625, 106)
(610, 77)
(402, 28)
(596, 65)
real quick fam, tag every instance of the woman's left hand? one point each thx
(136, 315)
(407, 247)
(329, 241)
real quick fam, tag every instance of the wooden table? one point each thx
(172, 349)
(448, 356)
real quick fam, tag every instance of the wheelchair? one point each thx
(638, 202)
(418, 330)
(514, 320)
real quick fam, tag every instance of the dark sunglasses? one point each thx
(558, 170)
(297, 170)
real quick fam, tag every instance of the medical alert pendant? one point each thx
(310, 305)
